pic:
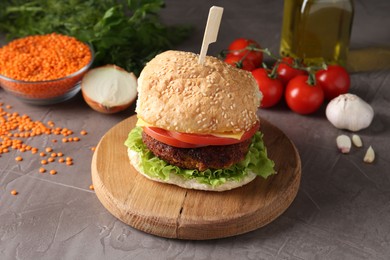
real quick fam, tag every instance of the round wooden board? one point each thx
(170, 211)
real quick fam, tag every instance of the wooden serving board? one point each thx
(173, 212)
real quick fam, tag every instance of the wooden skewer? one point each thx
(211, 31)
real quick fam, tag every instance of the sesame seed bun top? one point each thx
(178, 94)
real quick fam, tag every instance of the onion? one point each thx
(109, 89)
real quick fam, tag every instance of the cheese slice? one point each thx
(141, 122)
(237, 136)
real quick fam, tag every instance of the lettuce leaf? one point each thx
(255, 161)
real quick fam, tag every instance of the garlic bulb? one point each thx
(349, 111)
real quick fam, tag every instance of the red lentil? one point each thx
(42, 62)
(33, 58)
(14, 128)
(14, 192)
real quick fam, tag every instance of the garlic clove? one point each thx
(348, 111)
(343, 143)
(357, 141)
(369, 157)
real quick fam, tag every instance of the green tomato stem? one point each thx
(311, 79)
(297, 64)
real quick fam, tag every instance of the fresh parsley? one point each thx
(126, 33)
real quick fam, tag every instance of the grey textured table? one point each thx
(342, 210)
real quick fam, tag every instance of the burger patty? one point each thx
(202, 158)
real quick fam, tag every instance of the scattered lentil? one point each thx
(14, 192)
(91, 187)
(15, 127)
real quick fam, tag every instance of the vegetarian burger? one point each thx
(197, 124)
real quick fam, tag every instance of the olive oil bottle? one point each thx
(317, 31)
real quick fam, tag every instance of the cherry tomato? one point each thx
(303, 98)
(334, 81)
(286, 71)
(206, 139)
(272, 89)
(240, 63)
(237, 47)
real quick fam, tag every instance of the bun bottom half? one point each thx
(175, 179)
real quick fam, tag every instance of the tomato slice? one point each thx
(165, 137)
(207, 139)
(184, 140)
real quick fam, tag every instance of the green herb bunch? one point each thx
(126, 33)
